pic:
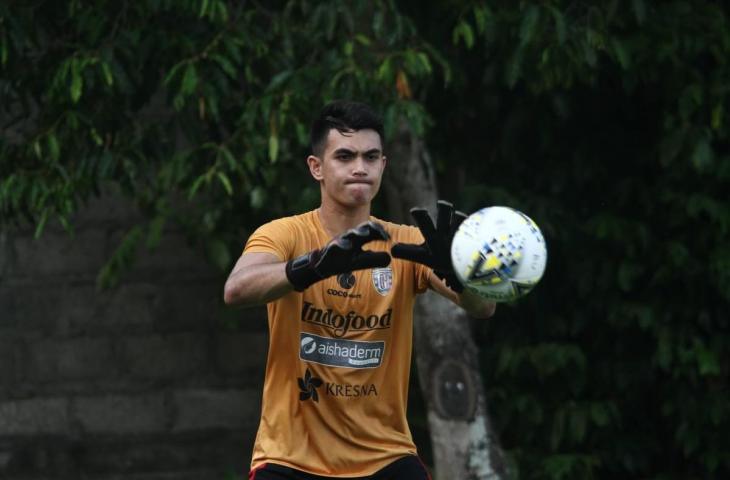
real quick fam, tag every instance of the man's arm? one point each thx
(261, 277)
(474, 305)
(257, 278)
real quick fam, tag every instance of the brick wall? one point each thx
(151, 380)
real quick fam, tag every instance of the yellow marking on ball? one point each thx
(491, 263)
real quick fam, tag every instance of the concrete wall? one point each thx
(151, 380)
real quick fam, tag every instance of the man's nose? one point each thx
(359, 167)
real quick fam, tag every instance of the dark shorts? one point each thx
(406, 468)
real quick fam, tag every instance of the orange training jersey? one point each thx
(336, 387)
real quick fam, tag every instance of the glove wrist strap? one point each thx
(301, 273)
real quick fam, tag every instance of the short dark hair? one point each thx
(344, 116)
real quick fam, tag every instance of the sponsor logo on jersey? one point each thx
(350, 390)
(382, 280)
(341, 323)
(340, 353)
(342, 293)
(346, 280)
(308, 385)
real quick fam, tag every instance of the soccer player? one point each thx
(340, 286)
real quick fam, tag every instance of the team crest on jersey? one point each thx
(383, 280)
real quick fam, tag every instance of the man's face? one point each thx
(351, 167)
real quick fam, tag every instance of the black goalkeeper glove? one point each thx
(342, 254)
(435, 251)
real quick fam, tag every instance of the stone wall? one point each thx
(151, 380)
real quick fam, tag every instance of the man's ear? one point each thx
(315, 167)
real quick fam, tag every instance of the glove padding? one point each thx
(343, 254)
(435, 251)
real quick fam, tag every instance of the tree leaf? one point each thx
(717, 114)
(529, 24)
(222, 11)
(385, 71)
(77, 82)
(703, 155)
(258, 198)
(225, 65)
(363, 39)
(225, 181)
(189, 81)
(621, 53)
(481, 16)
(53, 147)
(708, 362)
(273, 148)
(121, 259)
(561, 28)
(203, 8)
(196, 185)
(279, 80)
(107, 72)
(464, 32)
(41, 224)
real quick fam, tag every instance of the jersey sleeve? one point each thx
(276, 237)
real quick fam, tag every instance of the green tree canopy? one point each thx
(607, 122)
(196, 109)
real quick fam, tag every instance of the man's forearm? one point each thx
(257, 284)
(473, 304)
(476, 306)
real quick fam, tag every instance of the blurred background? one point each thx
(141, 142)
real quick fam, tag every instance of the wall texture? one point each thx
(151, 380)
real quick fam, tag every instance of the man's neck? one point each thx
(337, 219)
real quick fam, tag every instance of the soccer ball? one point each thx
(499, 253)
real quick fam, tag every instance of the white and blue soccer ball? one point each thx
(499, 253)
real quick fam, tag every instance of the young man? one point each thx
(341, 315)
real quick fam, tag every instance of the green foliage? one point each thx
(605, 121)
(199, 109)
